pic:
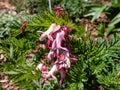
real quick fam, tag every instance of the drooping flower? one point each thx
(23, 27)
(65, 28)
(59, 52)
(39, 66)
(62, 57)
(58, 13)
(63, 75)
(44, 71)
(53, 71)
(73, 59)
(57, 44)
(49, 43)
(57, 10)
(53, 28)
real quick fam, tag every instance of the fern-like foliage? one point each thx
(16, 66)
(96, 65)
(97, 62)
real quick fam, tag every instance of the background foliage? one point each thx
(97, 62)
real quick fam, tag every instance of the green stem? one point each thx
(50, 7)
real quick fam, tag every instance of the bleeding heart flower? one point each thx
(60, 37)
(53, 28)
(57, 44)
(65, 28)
(59, 53)
(44, 71)
(63, 75)
(44, 68)
(39, 66)
(62, 57)
(49, 43)
(57, 13)
(57, 10)
(53, 71)
(51, 54)
(73, 57)
(23, 27)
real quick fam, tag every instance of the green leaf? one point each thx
(96, 11)
(101, 30)
(115, 20)
(11, 72)
(11, 52)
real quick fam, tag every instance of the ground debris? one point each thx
(6, 7)
(7, 84)
(92, 27)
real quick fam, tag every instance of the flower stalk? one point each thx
(50, 6)
(60, 55)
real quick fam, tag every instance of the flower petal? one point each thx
(63, 75)
(52, 72)
(57, 8)
(39, 66)
(49, 44)
(53, 28)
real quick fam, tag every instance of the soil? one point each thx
(6, 7)
(91, 27)
(7, 84)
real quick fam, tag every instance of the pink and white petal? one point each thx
(50, 54)
(49, 44)
(63, 75)
(57, 8)
(39, 66)
(43, 37)
(53, 28)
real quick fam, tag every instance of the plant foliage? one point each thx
(97, 62)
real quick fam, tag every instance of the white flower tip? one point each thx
(53, 28)
(43, 37)
(40, 32)
(39, 66)
(68, 63)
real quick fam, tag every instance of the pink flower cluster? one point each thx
(57, 42)
(57, 10)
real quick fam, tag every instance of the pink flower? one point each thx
(63, 75)
(65, 60)
(57, 44)
(57, 10)
(73, 59)
(39, 66)
(50, 54)
(57, 13)
(44, 71)
(53, 71)
(62, 69)
(23, 27)
(60, 37)
(53, 28)
(49, 43)
(62, 57)
(65, 28)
